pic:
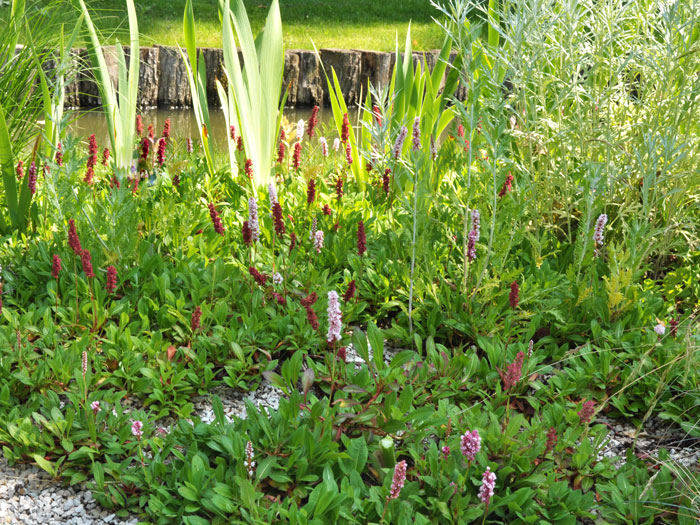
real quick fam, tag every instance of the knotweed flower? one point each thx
(660, 329)
(73, 240)
(300, 130)
(488, 484)
(586, 412)
(476, 224)
(470, 444)
(59, 154)
(248, 168)
(324, 146)
(105, 156)
(386, 181)
(145, 149)
(348, 153)
(336, 144)
(253, 222)
(313, 122)
(95, 406)
(398, 145)
(151, 132)
(335, 321)
(460, 131)
(31, 181)
(239, 143)
(551, 440)
(272, 193)
(92, 152)
(20, 170)
(327, 210)
(311, 316)
(339, 187)
(89, 175)
(598, 237)
(277, 278)
(514, 372)
(313, 229)
(350, 292)
(471, 247)
(398, 480)
(445, 452)
(196, 317)
(166, 129)
(161, 152)
(345, 130)
(249, 461)
(190, 147)
(85, 363)
(507, 186)
(416, 134)
(55, 266)
(674, 327)
(259, 278)
(232, 132)
(111, 283)
(318, 241)
(293, 241)
(514, 297)
(281, 149)
(282, 301)
(86, 261)
(247, 234)
(215, 219)
(361, 239)
(139, 125)
(377, 115)
(296, 156)
(137, 428)
(530, 347)
(280, 229)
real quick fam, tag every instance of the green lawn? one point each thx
(328, 23)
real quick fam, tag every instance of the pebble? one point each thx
(28, 495)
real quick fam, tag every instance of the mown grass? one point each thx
(332, 24)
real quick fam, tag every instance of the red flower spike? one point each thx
(111, 283)
(55, 266)
(514, 296)
(313, 122)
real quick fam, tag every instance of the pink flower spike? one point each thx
(488, 484)
(335, 320)
(95, 406)
(470, 444)
(398, 480)
(137, 428)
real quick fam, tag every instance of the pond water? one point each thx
(183, 124)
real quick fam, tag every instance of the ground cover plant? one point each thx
(456, 301)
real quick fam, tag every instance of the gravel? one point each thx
(655, 435)
(29, 495)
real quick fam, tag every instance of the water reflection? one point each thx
(183, 124)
